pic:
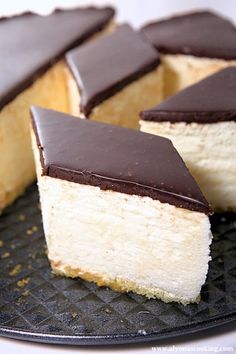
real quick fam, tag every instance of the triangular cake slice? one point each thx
(115, 77)
(192, 45)
(201, 122)
(120, 208)
(31, 47)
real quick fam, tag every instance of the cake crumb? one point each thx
(21, 217)
(107, 310)
(25, 293)
(32, 230)
(16, 270)
(74, 314)
(5, 255)
(23, 282)
(1, 243)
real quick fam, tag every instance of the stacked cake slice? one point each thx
(31, 47)
(201, 122)
(120, 208)
(192, 46)
(113, 78)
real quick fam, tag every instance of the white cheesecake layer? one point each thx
(16, 159)
(209, 151)
(127, 242)
(123, 107)
(181, 70)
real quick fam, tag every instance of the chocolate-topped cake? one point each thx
(129, 194)
(201, 122)
(192, 46)
(113, 78)
(31, 72)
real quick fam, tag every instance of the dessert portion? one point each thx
(201, 122)
(120, 208)
(192, 46)
(113, 78)
(33, 73)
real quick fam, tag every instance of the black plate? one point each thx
(39, 306)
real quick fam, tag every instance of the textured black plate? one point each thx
(36, 305)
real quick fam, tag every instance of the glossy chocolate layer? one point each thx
(209, 101)
(114, 158)
(103, 67)
(30, 44)
(202, 34)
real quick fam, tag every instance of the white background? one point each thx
(136, 12)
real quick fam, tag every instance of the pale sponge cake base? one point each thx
(123, 107)
(127, 242)
(209, 151)
(181, 70)
(17, 169)
(119, 284)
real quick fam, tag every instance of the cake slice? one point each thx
(192, 46)
(201, 122)
(120, 208)
(113, 78)
(32, 72)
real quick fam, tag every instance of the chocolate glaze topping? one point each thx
(103, 67)
(209, 101)
(114, 158)
(202, 34)
(31, 43)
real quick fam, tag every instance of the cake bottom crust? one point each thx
(118, 284)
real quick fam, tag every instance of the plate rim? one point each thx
(115, 339)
